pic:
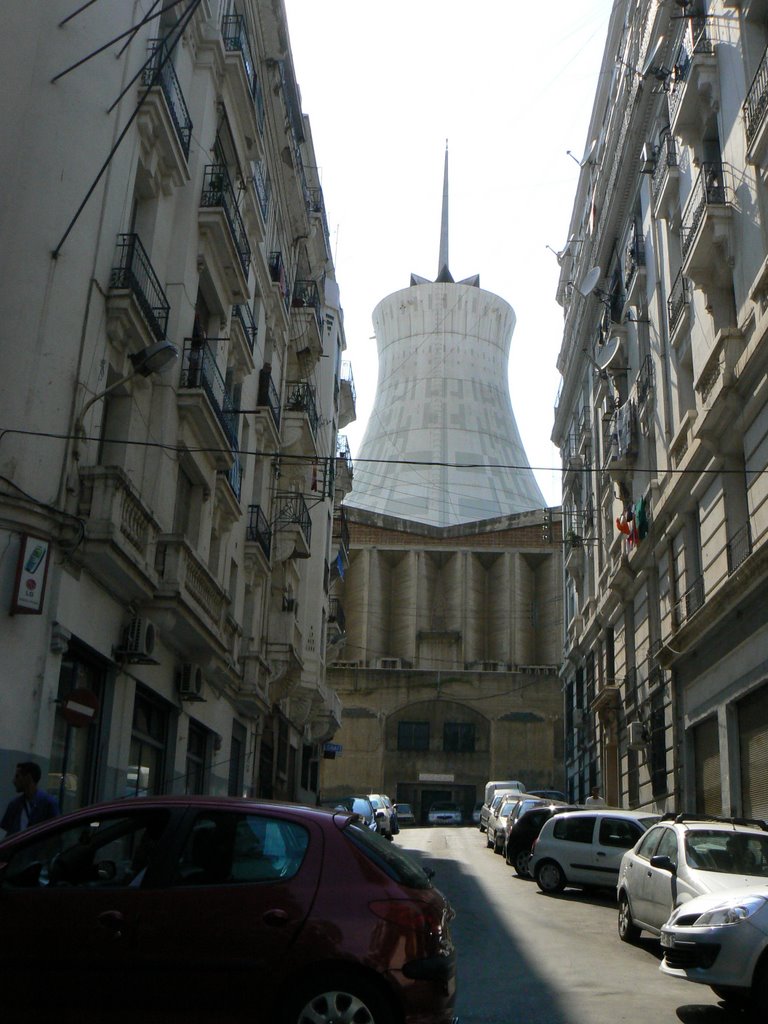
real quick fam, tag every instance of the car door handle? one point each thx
(112, 921)
(601, 854)
(276, 918)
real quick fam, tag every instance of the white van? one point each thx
(491, 789)
(510, 786)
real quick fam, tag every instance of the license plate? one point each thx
(667, 940)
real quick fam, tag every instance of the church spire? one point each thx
(443, 273)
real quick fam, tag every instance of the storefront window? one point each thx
(149, 738)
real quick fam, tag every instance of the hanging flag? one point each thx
(340, 565)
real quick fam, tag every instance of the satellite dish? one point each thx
(652, 60)
(607, 352)
(588, 152)
(588, 283)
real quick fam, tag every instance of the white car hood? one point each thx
(716, 883)
(698, 904)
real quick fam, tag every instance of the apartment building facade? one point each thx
(662, 419)
(168, 530)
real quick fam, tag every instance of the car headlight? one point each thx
(730, 913)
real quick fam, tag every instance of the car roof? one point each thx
(613, 812)
(714, 823)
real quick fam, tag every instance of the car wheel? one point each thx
(521, 863)
(497, 846)
(339, 1001)
(759, 991)
(628, 930)
(550, 877)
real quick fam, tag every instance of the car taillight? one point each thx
(408, 914)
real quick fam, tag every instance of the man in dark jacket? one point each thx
(33, 805)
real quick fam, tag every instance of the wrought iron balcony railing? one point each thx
(235, 36)
(301, 398)
(234, 474)
(306, 295)
(341, 528)
(336, 614)
(258, 530)
(343, 451)
(756, 102)
(677, 301)
(695, 40)
(164, 74)
(218, 191)
(279, 275)
(267, 394)
(739, 548)
(634, 254)
(292, 511)
(199, 370)
(346, 375)
(263, 187)
(244, 315)
(135, 273)
(645, 379)
(666, 157)
(708, 190)
(690, 602)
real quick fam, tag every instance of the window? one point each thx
(668, 845)
(574, 830)
(647, 848)
(197, 751)
(225, 849)
(237, 760)
(619, 832)
(413, 735)
(108, 852)
(149, 739)
(459, 737)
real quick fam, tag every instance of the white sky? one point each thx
(510, 85)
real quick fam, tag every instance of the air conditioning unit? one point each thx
(139, 641)
(189, 681)
(636, 736)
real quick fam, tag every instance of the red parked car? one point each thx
(233, 909)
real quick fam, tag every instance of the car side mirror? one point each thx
(664, 863)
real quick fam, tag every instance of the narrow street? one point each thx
(538, 959)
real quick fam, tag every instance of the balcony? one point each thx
(241, 69)
(344, 468)
(258, 536)
(300, 419)
(718, 403)
(278, 275)
(340, 543)
(292, 528)
(572, 458)
(163, 121)
(262, 188)
(205, 404)
(229, 484)
(645, 389)
(573, 554)
(739, 548)
(621, 439)
(691, 601)
(120, 533)
(754, 110)
(336, 616)
(189, 593)
(693, 94)
(317, 209)
(678, 309)
(137, 308)
(705, 227)
(347, 395)
(226, 252)
(634, 263)
(307, 323)
(665, 184)
(268, 406)
(244, 332)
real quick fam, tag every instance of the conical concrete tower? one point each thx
(442, 446)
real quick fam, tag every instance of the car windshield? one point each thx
(507, 808)
(731, 853)
(443, 807)
(389, 858)
(404, 809)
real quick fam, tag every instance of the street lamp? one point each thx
(152, 359)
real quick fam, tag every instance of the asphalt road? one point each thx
(535, 959)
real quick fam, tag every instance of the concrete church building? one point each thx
(452, 600)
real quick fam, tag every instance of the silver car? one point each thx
(721, 940)
(496, 828)
(683, 857)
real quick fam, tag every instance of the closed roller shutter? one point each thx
(709, 793)
(753, 742)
